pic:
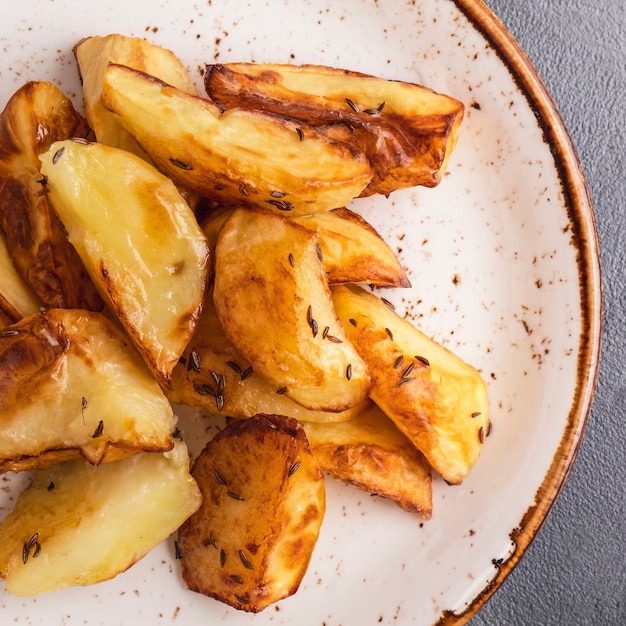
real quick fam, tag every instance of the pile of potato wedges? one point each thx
(169, 248)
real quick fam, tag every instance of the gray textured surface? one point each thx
(574, 572)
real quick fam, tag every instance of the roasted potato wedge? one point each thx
(250, 542)
(273, 302)
(139, 241)
(407, 131)
(72, 385)
(37, 115)
(93, 55)
(79, 524)
(353, 251)
(436, 399)
(238, 156)
(17, 300)
(213, 374)
(370, 453)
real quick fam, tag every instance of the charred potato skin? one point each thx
(404, 147)
(250, 543)
(36, 116)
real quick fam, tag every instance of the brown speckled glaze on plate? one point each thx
(504, 264)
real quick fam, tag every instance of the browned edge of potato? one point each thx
(37, 115)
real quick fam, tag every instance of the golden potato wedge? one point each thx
(250, 542)
(213, 374)
(17, 300)
(436, 399)
(37, 115)
(370, 453)
(273, 302)
(79, 524)
(94, 53)
(407, 131)
(72, 385)
(353, 251)
(139, 241)
(238, 156)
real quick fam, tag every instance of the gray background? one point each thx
(574, 571)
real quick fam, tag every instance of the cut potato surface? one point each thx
(17, 300)
(251, 541)
(139, 241)
(80, 524)
(93, 54)
(71, 385)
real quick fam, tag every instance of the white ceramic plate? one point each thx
(504, 265)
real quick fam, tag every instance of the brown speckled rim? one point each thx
(585, 241)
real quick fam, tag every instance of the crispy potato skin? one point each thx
(251, 541)
(371, 454)
(436, 399)
(17, 300)
(36, 116)
(241, 155)
(352, 249)
(407, 131)
(70, 386)
(273, 302)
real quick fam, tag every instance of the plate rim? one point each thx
(585, 239)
